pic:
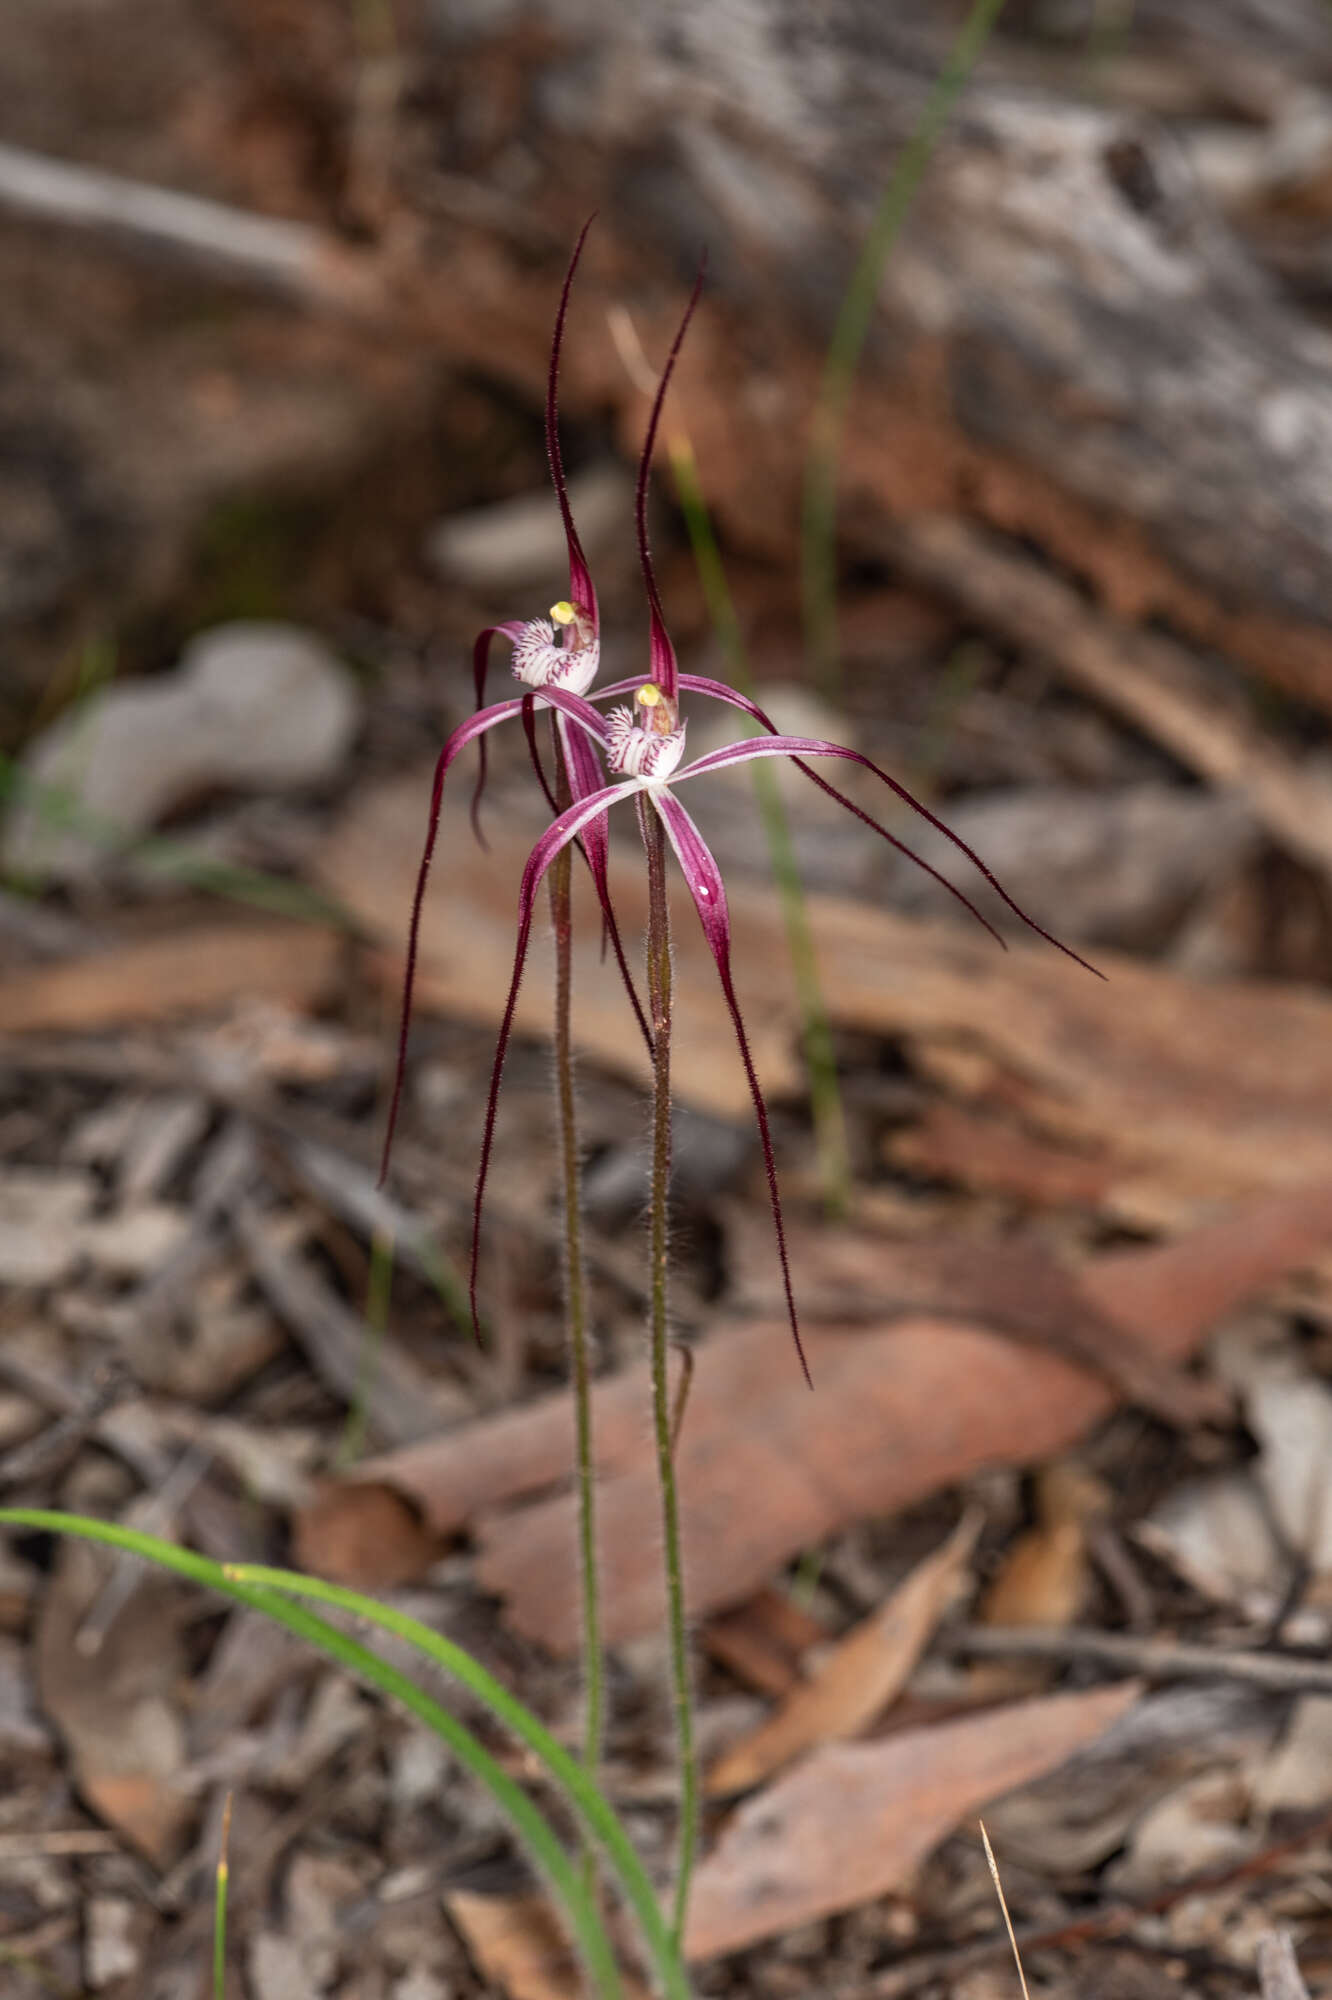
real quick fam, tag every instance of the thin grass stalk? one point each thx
(832, 1155)
(818, 541)
(575, 1286)
(220, 1906)
(659, 1005)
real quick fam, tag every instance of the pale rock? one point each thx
(278, 1970)
(1217, 1533)
(1297, 1775)
(797, 712)
(1290, 1413)
(518, 543)
(1199, 1827)
(318, 1887)
(251, 707)
(110, 1950)
(336, 1715)
(41, 1213)
(136, 1240)
(420, 1770)
(419, 1984)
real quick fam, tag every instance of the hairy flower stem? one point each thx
(575, 1289)
(659, 1004)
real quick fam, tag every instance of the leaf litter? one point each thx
(189, 1219)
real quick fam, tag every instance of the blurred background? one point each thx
(277, 287)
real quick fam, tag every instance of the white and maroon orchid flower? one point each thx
(643, 746)
(556, 674)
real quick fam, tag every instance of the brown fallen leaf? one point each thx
(869, 1667)
(762, 1641)
(1012, 1286)
(1182, 1091)
(898, 1412)
(466, 948)
(853, 1820)
(1044, 1575)
(1148, 679)
(202, 967)
(114, 1707)
(519, 1949)
(980, 1149)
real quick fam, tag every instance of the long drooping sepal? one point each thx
(557, 836)
(534, 752)
(585, 777)
(665, 671)
(709, 893)
(577, 724)
(480, 667)
(757, 747)
(582, 591)
(476, 727)
(580, 727)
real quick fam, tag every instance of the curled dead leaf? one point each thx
(861, 1675)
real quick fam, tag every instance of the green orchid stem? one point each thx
(575, 1295)
(663, 1429)
(825, 1095)
(819, 512)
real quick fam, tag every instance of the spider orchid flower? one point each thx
(556, 673)
(643, 746)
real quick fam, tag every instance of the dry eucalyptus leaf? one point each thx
(1187, 1091)
(194, 970)
(1044, 1575)
(853, 1820)
(1042, 1579)
(116, 1708)
(863, 1673)
(519, 1948)
(899, 1411)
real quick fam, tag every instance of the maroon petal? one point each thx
(570, 823)
(534, 751)
(582, 591)
(709, 893)
(476, 726)
(586, 777)
(665, 671)
(480, 668)
(798, 748)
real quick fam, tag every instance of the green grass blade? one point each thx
(58, 806)
(596, 1815)
(270, 1591)
(818, 550)
(220, 1906)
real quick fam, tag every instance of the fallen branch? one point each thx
(290, 258)
(1152, 1659)
(1148, 681)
